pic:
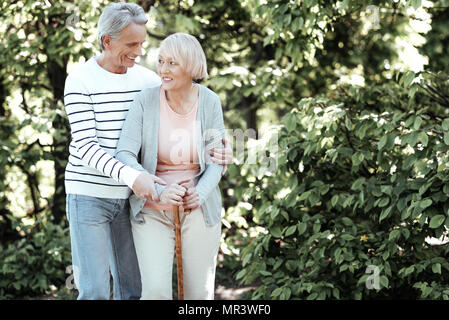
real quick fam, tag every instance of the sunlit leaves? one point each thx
(367, 192)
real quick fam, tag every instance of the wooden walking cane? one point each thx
(178, 248)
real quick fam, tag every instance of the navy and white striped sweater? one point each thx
(96, 103)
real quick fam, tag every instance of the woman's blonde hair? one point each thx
(187, 50)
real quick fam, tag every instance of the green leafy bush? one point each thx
(362, 183)
(36, 264)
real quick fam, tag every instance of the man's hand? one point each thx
(143, 186)
(222, 156)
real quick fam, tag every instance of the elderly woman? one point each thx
(179, 115)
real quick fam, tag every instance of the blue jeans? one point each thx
(102, 242)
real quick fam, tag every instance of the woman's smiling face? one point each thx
(172, 73)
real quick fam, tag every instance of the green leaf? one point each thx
(382, 142)
(347, 237)
(406, 233)
(312, 296)
(336, 293)
(302, 228)
(417, 123)
(285, 215)
(297, 24)
(287, 292)
(446, 188)
(424, 188)
(394, 234)
(291, 199)
(424, 138)
(357, 158)
(413, 138)
(384, 281)
(304, 195)
(334, 200)
(240, 274)
(362, 131)
(246, 259)
(290, 122)
(408, 78)
(385, 213)
(384, 202)
(358, 184)
(278, 263)
(436, 268)
(276, 231)
(412, 90)
(324, 189)
(425, 203)
(347, 222)
(409, 161)
(274, 213)
(409, 270)
(276, 292)
(265, 273)
(446, 138)
(437, 221)
(445, 124)
(409, 121)
(290, 230)
(291, 265)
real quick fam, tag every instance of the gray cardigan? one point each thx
(138, 147)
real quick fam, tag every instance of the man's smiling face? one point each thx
(123, 51)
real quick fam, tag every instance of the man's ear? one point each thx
(106, 41)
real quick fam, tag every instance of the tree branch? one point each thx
(155, 36)
(433, 96)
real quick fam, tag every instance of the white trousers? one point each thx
(154, 241)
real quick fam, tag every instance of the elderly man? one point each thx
(97, 97)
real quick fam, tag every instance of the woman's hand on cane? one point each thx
(173, 194)
(191, 199)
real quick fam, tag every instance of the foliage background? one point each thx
(356, 92)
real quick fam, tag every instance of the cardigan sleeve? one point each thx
(212, 138)
(130, 142)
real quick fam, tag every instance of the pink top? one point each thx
(177, 157)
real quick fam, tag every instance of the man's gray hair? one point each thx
(116, 17)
